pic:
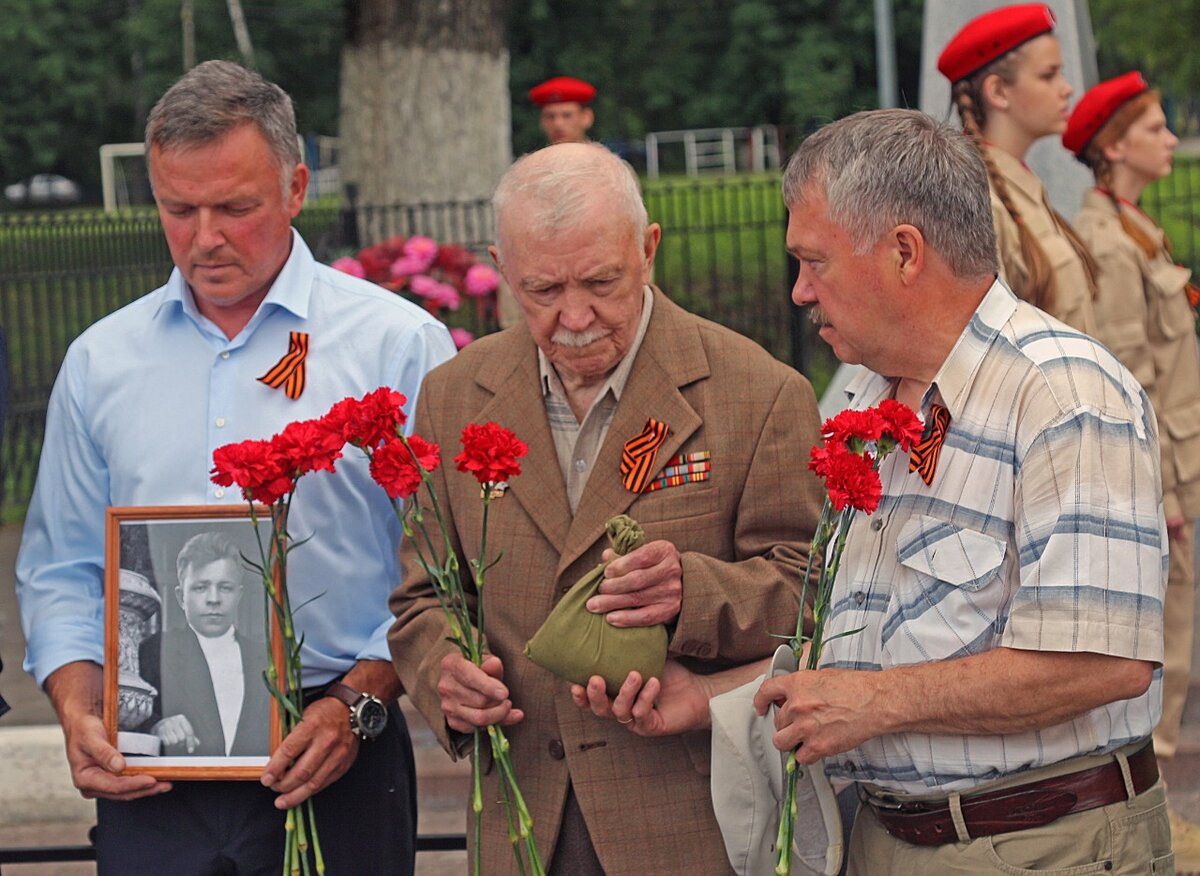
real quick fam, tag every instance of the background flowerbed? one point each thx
(442, 278)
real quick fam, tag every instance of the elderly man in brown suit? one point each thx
(600, 354)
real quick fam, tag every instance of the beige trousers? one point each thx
(1178, 619)
(1130, 838)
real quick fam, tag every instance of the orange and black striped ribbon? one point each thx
(924, 458)
(637, 461)
(288, 372)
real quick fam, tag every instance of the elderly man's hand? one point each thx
(314, 755)
(475, 696)
(822, 712)
(642, 588)
(676, 704)
(176, 730)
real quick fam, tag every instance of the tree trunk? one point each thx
(424, 102)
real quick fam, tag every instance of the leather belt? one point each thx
(931, 823)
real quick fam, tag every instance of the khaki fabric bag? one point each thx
(576, 644)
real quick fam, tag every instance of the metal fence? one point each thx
(722, 256)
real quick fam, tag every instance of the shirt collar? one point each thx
(957, 373)
(619, 376)
(291, 291)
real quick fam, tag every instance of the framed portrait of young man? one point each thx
(188, 641)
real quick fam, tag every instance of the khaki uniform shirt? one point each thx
(1072, 297)
(1144, 317)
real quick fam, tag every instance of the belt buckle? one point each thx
(888, 802)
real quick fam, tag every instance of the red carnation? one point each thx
(310, 445)
(865, 425)
(368, 421)
(490, 452)
(258, 467)
(850, 479)
(901, 423)
(392, 467)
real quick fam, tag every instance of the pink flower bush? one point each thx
(481, 280)
(350, 265)
(461, 337)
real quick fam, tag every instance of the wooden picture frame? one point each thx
(181, 609)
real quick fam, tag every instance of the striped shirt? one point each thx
(1043, 530)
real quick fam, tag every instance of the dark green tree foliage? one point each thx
(80, 73)
(669, 64)
(1157, 39)
(59, 86)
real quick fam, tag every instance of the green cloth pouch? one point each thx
(576, 644)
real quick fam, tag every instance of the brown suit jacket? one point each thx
(743, 536)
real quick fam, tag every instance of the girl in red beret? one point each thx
(1009, 89)
(1145, 312)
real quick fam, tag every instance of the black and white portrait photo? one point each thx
(191, 643)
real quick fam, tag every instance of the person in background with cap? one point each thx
(1007, 79)
(565, 114)
(1145, 313)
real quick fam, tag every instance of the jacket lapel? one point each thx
(517, 403)
(671, 356)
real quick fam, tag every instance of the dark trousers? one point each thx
(366, 821)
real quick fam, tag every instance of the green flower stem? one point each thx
(284, 680)
(468, 635)
(477, 800)
(513, 838)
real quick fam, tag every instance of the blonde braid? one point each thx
(1039, 288)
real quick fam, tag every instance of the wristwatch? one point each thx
(368, 714)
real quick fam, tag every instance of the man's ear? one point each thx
(495, 254)
(179, 596)
(909, 247)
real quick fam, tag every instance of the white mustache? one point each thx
(564, 338)
(817, 316)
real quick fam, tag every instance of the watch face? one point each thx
(372, 718)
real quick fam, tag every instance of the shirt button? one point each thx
(877, 524)
(220, 422)
(556, 749)
(225, 355)
(859, 597)
(580, 465)
(219, 493)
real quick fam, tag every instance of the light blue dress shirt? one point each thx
(146, 394)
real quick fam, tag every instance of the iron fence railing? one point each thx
(721, 256)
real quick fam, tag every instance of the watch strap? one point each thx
(343, 692)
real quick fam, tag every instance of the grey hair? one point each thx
(883, 168)
(559, 183)
(204, 548)
(212, 99)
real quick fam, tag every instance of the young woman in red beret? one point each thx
(1145, 315)
(1007, 79)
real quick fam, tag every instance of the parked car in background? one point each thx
(44, 189)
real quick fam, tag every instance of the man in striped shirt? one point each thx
(995, 707)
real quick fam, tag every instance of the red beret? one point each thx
(989, 36)
(1097, 107)
(562, 89)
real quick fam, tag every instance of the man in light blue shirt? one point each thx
(143, 398)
